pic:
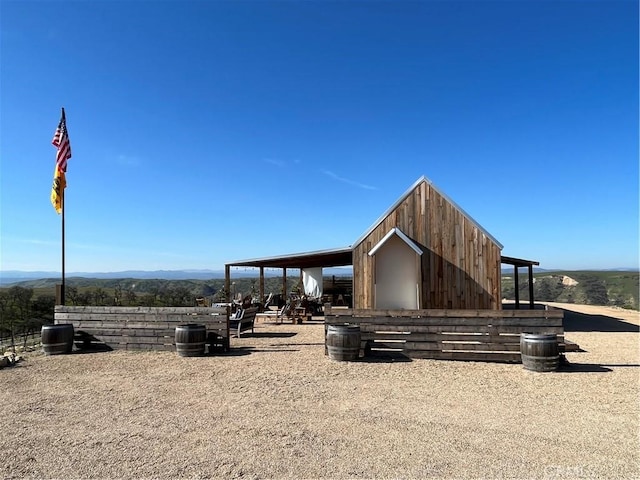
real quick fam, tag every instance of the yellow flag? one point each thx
(57, 192)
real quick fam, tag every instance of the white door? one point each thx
(396, 280)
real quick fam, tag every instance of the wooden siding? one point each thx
(477, 335)
(460, 265)
(142, 328)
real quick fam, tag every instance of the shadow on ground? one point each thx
(242, 351)
(93, 348)
(583, 368)
(582, 322)
(386, 357)
(232, 352)
(269, 335)
(571, 367)
(87, 343)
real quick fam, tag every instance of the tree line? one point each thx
(23, 312)
(22, 315)
(607, 289)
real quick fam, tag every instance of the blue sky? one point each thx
(206, 132)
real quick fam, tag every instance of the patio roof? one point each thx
(518, 262)
(336, 257)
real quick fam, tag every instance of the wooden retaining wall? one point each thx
(142, 328)
(477, 335)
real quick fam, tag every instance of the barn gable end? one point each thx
(460, 266)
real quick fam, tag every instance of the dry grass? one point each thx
(276, 407)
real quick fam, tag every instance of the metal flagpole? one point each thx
(63, 146)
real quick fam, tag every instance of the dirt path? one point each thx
(276, 407)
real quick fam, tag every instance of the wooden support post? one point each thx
(284, 284)
(531, 303)
(517, 286)
(227, 282)
(301, 282)
(261, 288)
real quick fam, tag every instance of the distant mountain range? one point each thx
(13, 276)
(8, 277)
(615, 287)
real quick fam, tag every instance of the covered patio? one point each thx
(343, 257)
(337, 257)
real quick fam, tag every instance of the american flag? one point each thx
(61, 142)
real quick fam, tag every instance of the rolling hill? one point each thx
(609, 288)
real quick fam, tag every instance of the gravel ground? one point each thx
(276, 407)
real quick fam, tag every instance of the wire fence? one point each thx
(19, 342)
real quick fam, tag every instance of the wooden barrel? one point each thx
(343, 342)
(57, 339)
(540, 351)
(190, 340)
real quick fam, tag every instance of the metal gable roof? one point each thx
(338, 257)
(445, 196)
